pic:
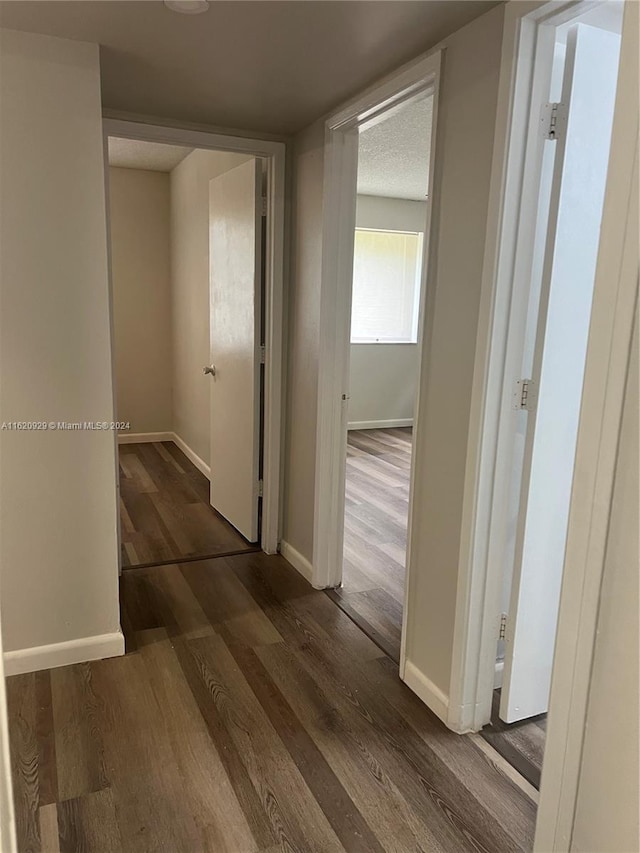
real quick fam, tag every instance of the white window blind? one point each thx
(386, 286)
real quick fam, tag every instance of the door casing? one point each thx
(408, 84)
(529, 27)
(273, 155)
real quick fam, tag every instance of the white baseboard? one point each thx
(498, 674)
(200, 464)
(142, 437)
(423, 687)
(390, 424)
(63, 654)
(297, 560)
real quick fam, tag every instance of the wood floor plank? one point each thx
(164, 508)
(521, 744)
(375, 533)
(250, 714)
(146, 787)
(50, 839)
(79, 751)
(419, 767)
(45, 731)
(303, 615)
(505, 801)
(236, 771)
(349, 825)
(349, 755)
(206, 789)
(271, 768)
(23, 745)
(89, 824)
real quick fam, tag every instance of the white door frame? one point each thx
(274, 155)
(340, 186)
(513, 199)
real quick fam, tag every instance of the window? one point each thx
(386, 286)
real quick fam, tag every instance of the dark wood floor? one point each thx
(376, 515)
(521, 744)
(375, 533)
(249, 714)
(164, 508)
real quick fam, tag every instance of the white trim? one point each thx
(144, 437)
(295, 558)
(475, 634)
(63, 654)
(274, 154)
(338, 225)
(430, 694)
(191, 455)
(614, 310)
(480, 580)
(388, 424)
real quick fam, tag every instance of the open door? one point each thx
(583, 136)
(235, 278)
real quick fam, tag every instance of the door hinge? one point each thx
(260, 488)
(263, 208)
(263, 354)
(525, 395)
(553, 120)
(503, 627)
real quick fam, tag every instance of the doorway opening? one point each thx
(568, 136)
(196, 274)
(384, 357)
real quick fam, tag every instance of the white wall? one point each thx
(190, 293)
(383, 377)
(608, 791)
(58, 546)
(141, 286)
(466, 120)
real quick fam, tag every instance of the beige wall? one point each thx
(58, 546)
(466, 122)
(190, 292)
(383, 381)
(303, 339)
(383, 377)
(608, 791)
(395, 214)
(140, 275)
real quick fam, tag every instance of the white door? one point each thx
(580, 172)
(235, 287)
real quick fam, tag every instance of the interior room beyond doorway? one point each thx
(387, 286)
(160, 224)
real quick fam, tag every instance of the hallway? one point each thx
(249, 714)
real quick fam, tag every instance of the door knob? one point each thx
(209, 369)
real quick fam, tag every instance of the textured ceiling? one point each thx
(134, 154)
(262, 66)
(393, 156)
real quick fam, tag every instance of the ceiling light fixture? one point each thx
(187, 7)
